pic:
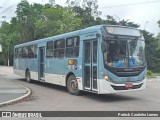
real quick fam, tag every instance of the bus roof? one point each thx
(61, 36)
(70, 34)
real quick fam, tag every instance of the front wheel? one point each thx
(72, 85)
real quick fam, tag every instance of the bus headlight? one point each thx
(105, 76)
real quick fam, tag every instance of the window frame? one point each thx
(24, 54)
(19, 53)
(59, 48)
(72, 46)
(47, 56)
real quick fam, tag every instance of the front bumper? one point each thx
(106, 87)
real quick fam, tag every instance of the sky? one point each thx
(144, 12)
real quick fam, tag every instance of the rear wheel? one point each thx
(72, 85)
(28, 77)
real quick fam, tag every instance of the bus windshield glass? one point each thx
(124, 53)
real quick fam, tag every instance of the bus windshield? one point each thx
(124, 53)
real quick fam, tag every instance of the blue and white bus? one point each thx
(101, 59)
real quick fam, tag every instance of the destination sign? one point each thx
(122, 31)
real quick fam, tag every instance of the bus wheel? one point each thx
(72, 85)
(28, 77)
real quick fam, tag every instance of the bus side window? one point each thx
(35, 51)
(16, 52)
(49, 49)
(59, 46)
(19, 54)
(24, 52)
(72, 47)
(32, 51)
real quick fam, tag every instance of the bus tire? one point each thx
(72, 85)
(28, 76)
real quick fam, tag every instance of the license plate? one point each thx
(128, 85)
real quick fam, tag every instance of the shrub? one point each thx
(149, 74)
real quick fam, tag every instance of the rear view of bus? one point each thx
(123, 65)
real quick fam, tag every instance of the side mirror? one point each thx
(104, 46)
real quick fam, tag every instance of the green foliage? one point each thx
(152, 52)
(27, 15)
(158, 41)
(8, 39)
(111, 20)
(56, 20)
(149, 74)
(35, 21)
(159, 23)
(87, 11)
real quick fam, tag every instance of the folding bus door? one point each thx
(41, 63)
(90, 65)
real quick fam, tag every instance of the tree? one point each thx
(9, 37)
(51, 2)
(38, 21)
(129, 24)
(35, 21)
(159, 23)
(152, 55)
(99, 21)
(111, 20)
(27, 14)
(26, 20)
(158, 38)
(86, 10)
(158, 41)
(56, 20)
(92, 7)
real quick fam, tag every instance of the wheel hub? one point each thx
(73, 85)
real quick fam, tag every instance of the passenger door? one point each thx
(90, 65)
(41, 63)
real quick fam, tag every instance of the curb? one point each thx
(19, 99)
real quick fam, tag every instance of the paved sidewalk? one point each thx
(157, 78)
(10, 91)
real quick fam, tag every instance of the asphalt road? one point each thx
(48, 97)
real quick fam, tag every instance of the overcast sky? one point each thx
(147, 13)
